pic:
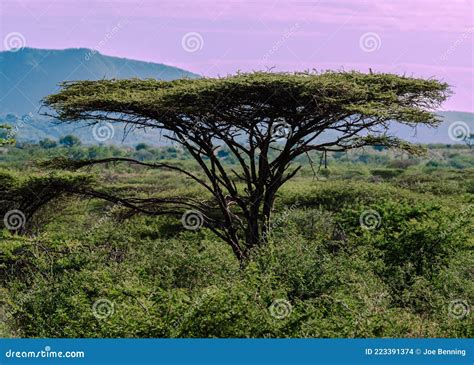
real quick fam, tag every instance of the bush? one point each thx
(47, 143)
(70, 141)
(23, 197)
(386, 173)
(321, 274)
(414, 242)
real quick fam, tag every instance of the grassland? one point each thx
(82, 270)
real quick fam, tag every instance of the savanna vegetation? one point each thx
(367, 237)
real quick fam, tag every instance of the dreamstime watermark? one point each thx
(370, 219)
(460, 219)
(106, 217)
(280, 308)
(14, 41)
(103, 131)
(459, 308)
(459, 131)
(370, 42)
(279, 220)
(454, 46)
(27, 118)
(195, 129)
(41, 354)
(14, 220)
(281, 130)
(192, 220)
(434, 156)
(286, 35)
(103, 308)
(192, 42)
(108, 36)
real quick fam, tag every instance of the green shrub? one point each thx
(386, 173)
(330, 276)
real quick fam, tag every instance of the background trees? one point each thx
(263, 120)
(47, 143)
(21, 197)
(70, 141)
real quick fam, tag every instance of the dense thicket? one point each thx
(322, 274)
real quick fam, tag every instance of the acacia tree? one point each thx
(264, 120)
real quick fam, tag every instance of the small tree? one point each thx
(47, 143)
(70, 141)
(23, 196)
(251, 115)
(141, 146)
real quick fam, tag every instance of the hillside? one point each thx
(30, 74)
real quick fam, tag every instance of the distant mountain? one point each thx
(453, 123)
(30, 74)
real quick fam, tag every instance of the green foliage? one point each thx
(69, 141)
(5, 137)
(334, 277)
(386, 173)
(29, 194)
(303, 100)
(141, 146)
(412, 240)
(48, 143)
(378, 93)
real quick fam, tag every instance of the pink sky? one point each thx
(417, 37)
